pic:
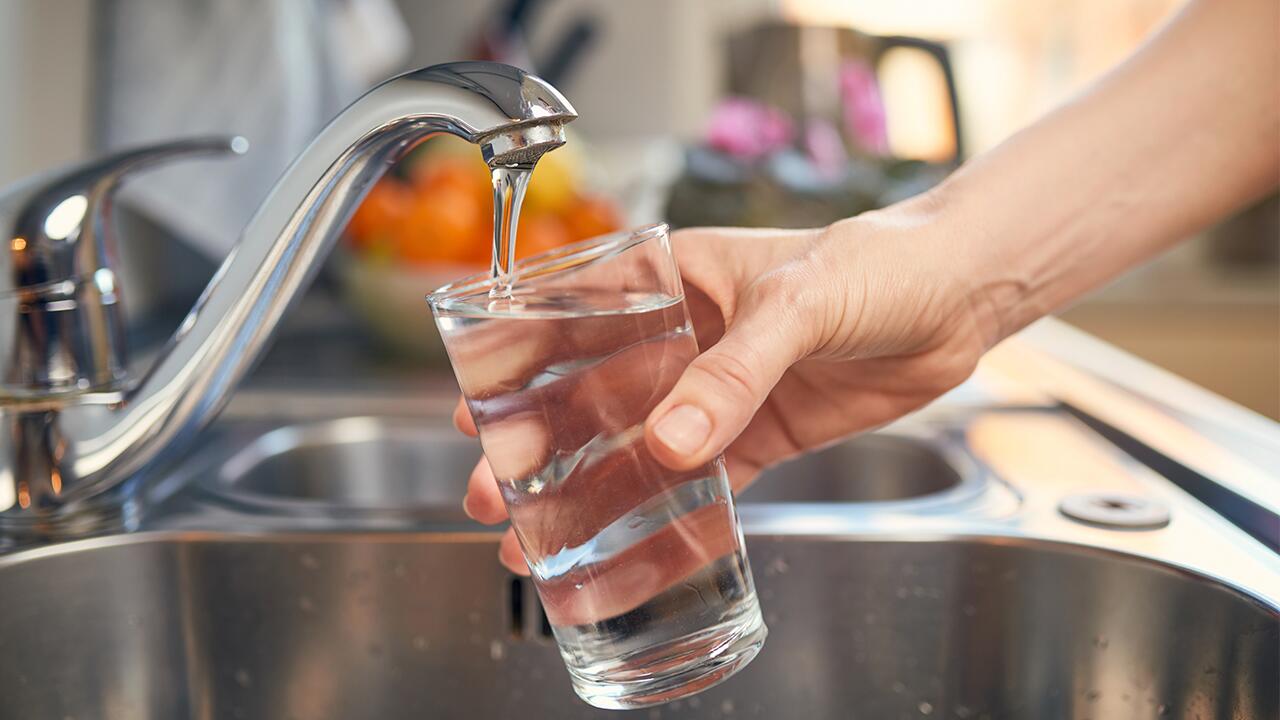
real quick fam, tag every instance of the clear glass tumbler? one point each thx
(641, 569)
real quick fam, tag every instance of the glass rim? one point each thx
(565, 257)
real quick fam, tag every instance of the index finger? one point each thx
(462, 419)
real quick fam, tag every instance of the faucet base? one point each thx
(114, 512)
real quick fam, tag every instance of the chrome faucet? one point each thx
(73, 426)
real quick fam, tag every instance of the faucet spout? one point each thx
(514, 117)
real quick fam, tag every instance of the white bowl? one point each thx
(391, 298)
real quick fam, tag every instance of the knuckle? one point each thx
(792, 294)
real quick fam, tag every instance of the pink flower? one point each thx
(747, 129)
(826, 149)
(864, 118)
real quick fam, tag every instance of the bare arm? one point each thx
(1182, 133)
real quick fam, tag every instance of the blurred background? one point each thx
(742, 112)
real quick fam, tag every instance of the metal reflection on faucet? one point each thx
(66, 217)
(98, 437)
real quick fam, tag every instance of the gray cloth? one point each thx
(273, 71)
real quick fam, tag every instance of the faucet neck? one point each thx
(513, 116)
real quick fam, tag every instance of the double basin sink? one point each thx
(323, 569)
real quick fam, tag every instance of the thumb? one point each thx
(720, 391)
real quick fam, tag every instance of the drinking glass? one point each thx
(641, 569)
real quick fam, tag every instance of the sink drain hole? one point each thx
(544, 625)
(515, 605)
(525, 616)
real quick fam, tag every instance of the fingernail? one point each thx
(684, 429)
(466, 506)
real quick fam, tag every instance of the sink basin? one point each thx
(871, 468)
(416, 625)
(378, 463)
(350, 465)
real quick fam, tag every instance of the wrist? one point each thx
(907, 283)
(984, 272)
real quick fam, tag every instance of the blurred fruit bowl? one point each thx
(430, 221)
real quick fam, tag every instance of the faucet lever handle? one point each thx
(58, 289)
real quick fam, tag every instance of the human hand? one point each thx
(810, 336)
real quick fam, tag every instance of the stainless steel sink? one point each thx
(924, 571)
(414, 625)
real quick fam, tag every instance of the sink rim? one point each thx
(483, 534)
(240, 458)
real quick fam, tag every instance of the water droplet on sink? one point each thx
(1101, 642)
(869, 618)
(779, 566)
(399, 570)
(306, 604)
(695, 702)
(420, 643)
(1162, 710)
(309, 561)
(497, 650)
(969, 610)
(898, 687)
(909, 569)
(963, 712)
(770, 618)
(726, 707)
(654, 714)
(902, 592)
(243, 678)
(925, 708)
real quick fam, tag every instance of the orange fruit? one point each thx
(381, 213)
(539, 233)
(442, 227)
(442, 170)
(590, 216)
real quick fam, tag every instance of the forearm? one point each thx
(1182, 133)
